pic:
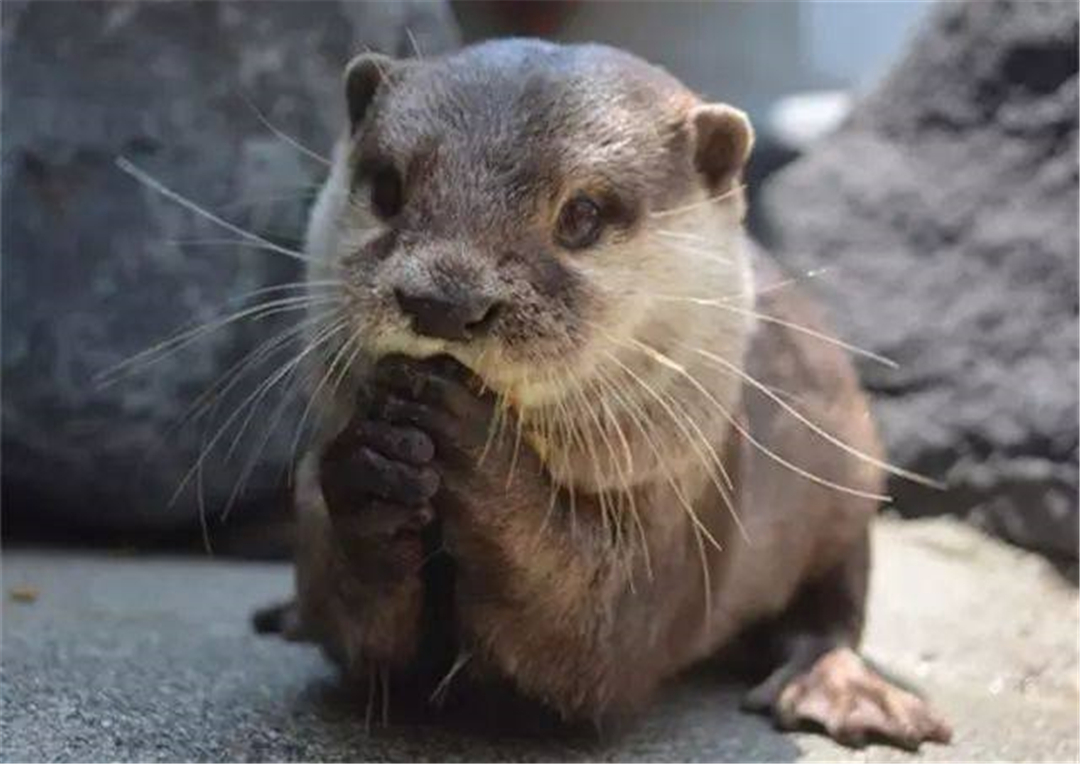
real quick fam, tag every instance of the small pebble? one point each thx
(27, 594)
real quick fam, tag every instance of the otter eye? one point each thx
(386, 192)
(579, 223)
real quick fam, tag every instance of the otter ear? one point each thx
(723, 138)
(364, 75)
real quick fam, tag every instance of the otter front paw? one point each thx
(493, 489)
(377, 481)
(363, 511)
(483, 477)
(446, 401)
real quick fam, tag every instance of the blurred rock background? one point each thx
(943, 206)
(98, 268)
(946, 211)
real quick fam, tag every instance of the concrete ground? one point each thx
(123, 657)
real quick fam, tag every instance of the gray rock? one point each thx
(946, 212)
(92, 270)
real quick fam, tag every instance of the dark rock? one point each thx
(92, 273)
(946, 211)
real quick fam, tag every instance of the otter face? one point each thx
(503, 205)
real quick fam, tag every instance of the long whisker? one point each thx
(253, 456)
(511, 471)
(335, 386)
(204, 526)
(208, 399)
(603, 381)
(695, 523)
(688, 207)
(668, 403)
(331, 368)
(762, 291)
(279, 411)
(594, 457)
(256, 453)
(674, 408)
(163, 349)
(143, 177)
(415, 45)
(494, 428)
(288, 286)
(280, 133)
(567, 433)
(713, 254)
(678, 368)
(232, 376)
(696, 445)
(813, 273)
(268, 383)
(438, 695)
(828, 339)
(546, 429)
(301, 193)
(683, 236)
(890, 468)
(215, 242)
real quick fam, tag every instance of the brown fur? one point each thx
(579, 571)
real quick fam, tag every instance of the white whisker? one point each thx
(827, 436)
(820, 336)
(257, 393)
(143, 177)
(686, 208)
(163, 349)
(415, 45)
(673, 243)
(280, 133)
(739, 428)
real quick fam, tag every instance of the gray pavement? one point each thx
(125, 657)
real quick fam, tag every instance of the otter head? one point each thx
(520, 204)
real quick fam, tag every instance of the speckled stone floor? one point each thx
(123, 657)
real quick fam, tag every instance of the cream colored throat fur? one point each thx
(644, 406)
(638, 403)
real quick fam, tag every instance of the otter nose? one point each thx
(446, 318)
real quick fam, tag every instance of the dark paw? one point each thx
(377, 479)
(439, 396)
(282, 619)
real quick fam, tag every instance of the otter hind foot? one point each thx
(282, 619)
(841, 694)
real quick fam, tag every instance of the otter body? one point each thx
(580, 434)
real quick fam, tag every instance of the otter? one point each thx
(579, 433)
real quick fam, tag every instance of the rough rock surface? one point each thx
(136, 658)
(945, 211)
(92, 270)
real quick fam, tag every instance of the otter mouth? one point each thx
(522, 384)
(404, 342)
